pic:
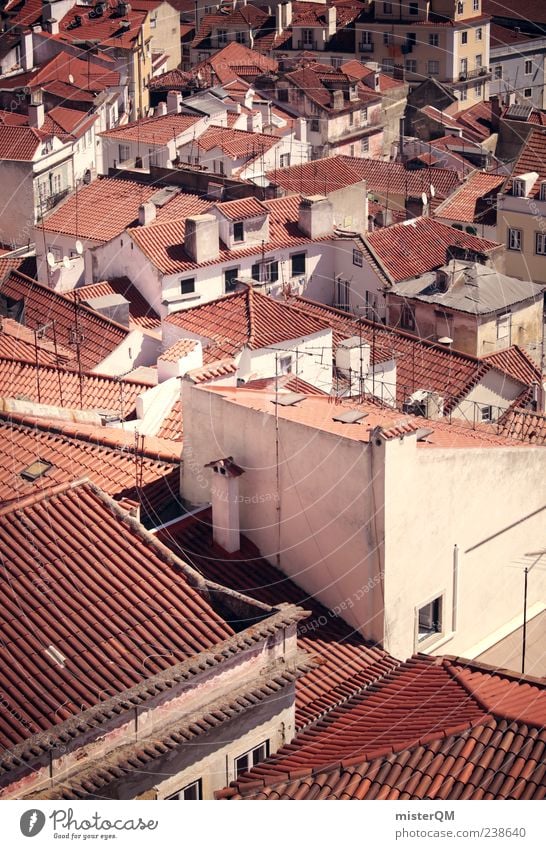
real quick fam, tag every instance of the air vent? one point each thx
(350, 417)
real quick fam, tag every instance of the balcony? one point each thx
(54, 199)
(307, 45)
(365, 47)
(481, 74)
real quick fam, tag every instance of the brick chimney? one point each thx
(224, 490)
(173, 101)
(201, 239)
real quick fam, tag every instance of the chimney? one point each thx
(161, 108)
(353, 357)
(173, 101)
(316, 216)
(201, 240)
(331, 21)
(146, 214)
(301, 130)
(254, 122)
(249, 98)
(27, 51)
(286, 13)
(36, 111)
(224, 493)
(495, 113)
(337, 99)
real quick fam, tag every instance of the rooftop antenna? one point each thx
(76, 340)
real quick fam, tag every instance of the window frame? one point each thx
(177, 796)
(498, 72)
(228, 286)
(187, 280)
(434, 39)
(238, 231)
(255, 760)
(511, 242)
(435, 616)
(407, 317)
(464, 36)
(431, 64)
(540, 237)
(358, 258)
(293, 257)
(504, 321)
(528, 64)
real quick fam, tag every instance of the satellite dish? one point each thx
(50, 260)
(79, 247)
(70, 79)
(66, 262)
(424, 199)
(432, 191)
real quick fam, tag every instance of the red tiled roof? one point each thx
(532, 11)
(178, 350)
(19, 342)
(68, 124)
(25, 13)
(394, 178)
(172, 80)
(244, 17)
(430, 729)
(420, 245)
(525, 425)
(140, 311)
(236, 143)
(213, 370)
(347, 662)
(356, 69)
(99, 211)
(468, 203)
(108, 30)
(83, 74)
(61, 388)
(100, 336)
(158, 130)
(477, 121)
(500, 36)
(121, 609)
(239, 210)
(231, 62)
(516, 363)
(321, 176)
(106, 456)
(20, 144)
(532, 158)
(245, 318)
(13, 119)
(163, 243)
(172, 428)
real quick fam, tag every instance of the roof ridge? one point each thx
(42, 495)
(500, 672)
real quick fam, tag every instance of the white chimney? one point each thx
(147, 213)
(173, 101)
(27, 51)
(36, 110)
(301, 130)
(249, 98)
(224, 491)
(332, 21)
(316, 216)
(254, 122)
(353, 357)
(161, 108)
(201, 239)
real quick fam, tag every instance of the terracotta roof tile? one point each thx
(236, 143)
(19, 342)
(238, 210)
(321, 176)
(20, 144)
(516, 363)
(83, 74)
(531, 158)
(524, 425)
(104, 621)
(409, 249)
(42, 305)
(393, 177)
(178, 350)
(469, 202)
(140, 311)
(107, 30)
(107, 456)
(347, 662)
(158, 130)
(214, 370)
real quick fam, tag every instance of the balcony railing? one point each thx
(307, 45)
(365, 47)
(53, 200)
(477, 74)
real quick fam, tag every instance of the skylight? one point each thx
(36, 470)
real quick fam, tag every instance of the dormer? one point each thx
(242, 223)
(523, 183)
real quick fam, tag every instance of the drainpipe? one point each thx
(454, 600)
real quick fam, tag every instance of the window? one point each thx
(315, 125)
(518, 188)
(268, 272)
(433, 67)
(387, 38)
(414, 8)
(364, 116)
(282, 94)
(307, 36)
(411, 66)
(498, 72)
(124, 152)
(387, 65)
(285, 364)
(478, 61)
(464, 68)
(407, 317)
(284, 160)
(357, 257)
(475, 5)
(240, 37)
(298, 264)
(504, 324)
(387, 8)
(460, 8)
(528, 67)
(527, 92)
(154, 156)
(56, 251)
(222, 36)
(478, 91)
(464, 37)
(230, 278)
(430, 619)
(514, 239)
(245, 762)
(153, 23)
(479, 34)
(464, 93)
(192, 791)
(486, 413)
(187, 286)
(238, 231)
(540, 244)
(543, 190)
(434, 39)
(365, 146)
(367, 37)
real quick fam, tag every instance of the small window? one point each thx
(460, 8)
(464, 93)
(365, 146)
(285, 364)
(191, 792)
(543, 190)
(430, 619)
(36, 470)
(479, 34)
(464, 37)
(251, 758)
(414, 8)
(527, 92)
(364, 116)
(478, 61)
(528, 67)
(475, 5)
(387, 8)
(486, 413)
(433, 67)
(282, 94)
(230, 279)
(222, 36)
(357, 257)
(514, 239)
(407, 317)
(240, 37)
(284, 160)
(498, 72)
(238, 231)
(187, 286)
(411, 66)
(540, 244)
(504, 324)
(298, 264)
(434, 39)
(387, 39)
(518, 188)
(315, 125)
(124, 152)
(478, 89)
(387, 65)
(255, 272)
(271, 270)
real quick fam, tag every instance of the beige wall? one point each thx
(529, 216)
